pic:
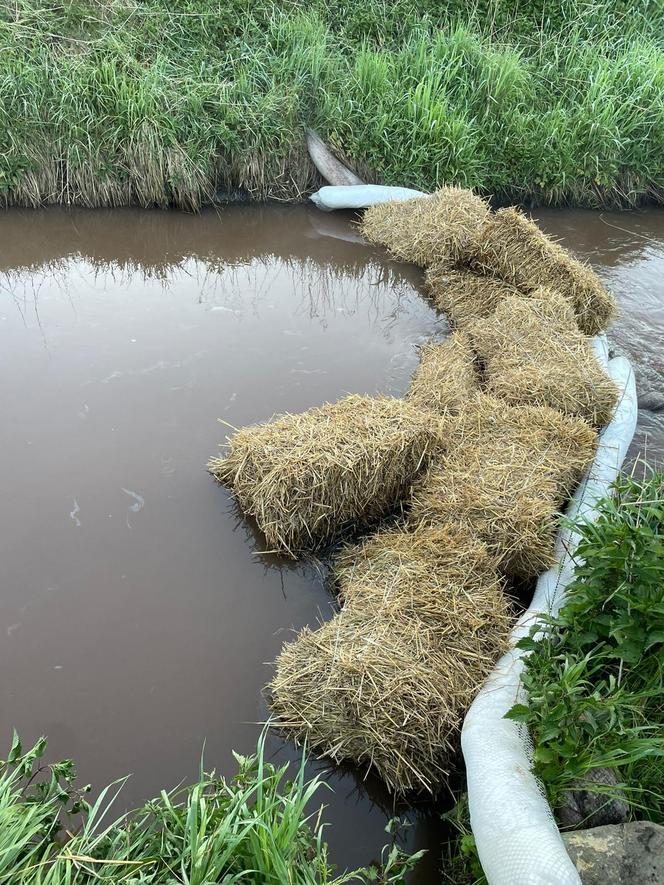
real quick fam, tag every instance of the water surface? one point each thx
(138, 618)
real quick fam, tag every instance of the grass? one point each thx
(254, 829)
(595, 678)
(110, 102)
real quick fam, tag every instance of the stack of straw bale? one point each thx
(446, 376)
(485, 467)
(513, 248)
(386, 682)
(505, 474)
(533, 353)
(307, 478)
(439, 227)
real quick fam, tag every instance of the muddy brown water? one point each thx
(138, 613)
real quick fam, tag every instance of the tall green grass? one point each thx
(109, 102)
(255, 828)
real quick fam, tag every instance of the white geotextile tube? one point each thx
(516, 835)
(360, 196)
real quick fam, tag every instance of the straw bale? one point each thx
(514, 248)
(533, 353)
(464, 295)
(438, 227)
(307, 478)
(505, 474)
(425, 572)
(390, 693)
(446, 375)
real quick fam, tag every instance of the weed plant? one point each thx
(253, 829)
(595, 677)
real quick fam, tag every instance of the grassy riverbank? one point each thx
(595, 678)
(110, 102)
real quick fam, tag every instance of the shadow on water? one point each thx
(139, 615)
(152, 244)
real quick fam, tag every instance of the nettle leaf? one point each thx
(545, 755)
(550, 731)
(527, 643)
(655, 637)
(630, 651)
(519, 713)
(549, 773)
(16, 748)
(557, 713)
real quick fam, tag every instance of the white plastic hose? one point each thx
(516, 835)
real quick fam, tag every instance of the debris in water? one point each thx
(139, 503)
(73, 513)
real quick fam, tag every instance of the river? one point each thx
(138, 612)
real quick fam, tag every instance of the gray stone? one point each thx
(622, 854)
(596, 801)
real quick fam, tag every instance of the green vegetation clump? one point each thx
(595, 678)
(110, 102)
(253, 829)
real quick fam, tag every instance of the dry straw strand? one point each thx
(533, 353)
(446, 375)
(439, 227)
(422, 572)
(512, 247)
(306, 478)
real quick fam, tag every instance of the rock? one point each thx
(621, 854)
(584, 806)
(652, 401)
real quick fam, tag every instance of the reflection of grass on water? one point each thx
(257, 827)
(113, 102)
(319, 291)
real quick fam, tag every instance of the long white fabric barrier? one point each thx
(360, 196)
(516, 835)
